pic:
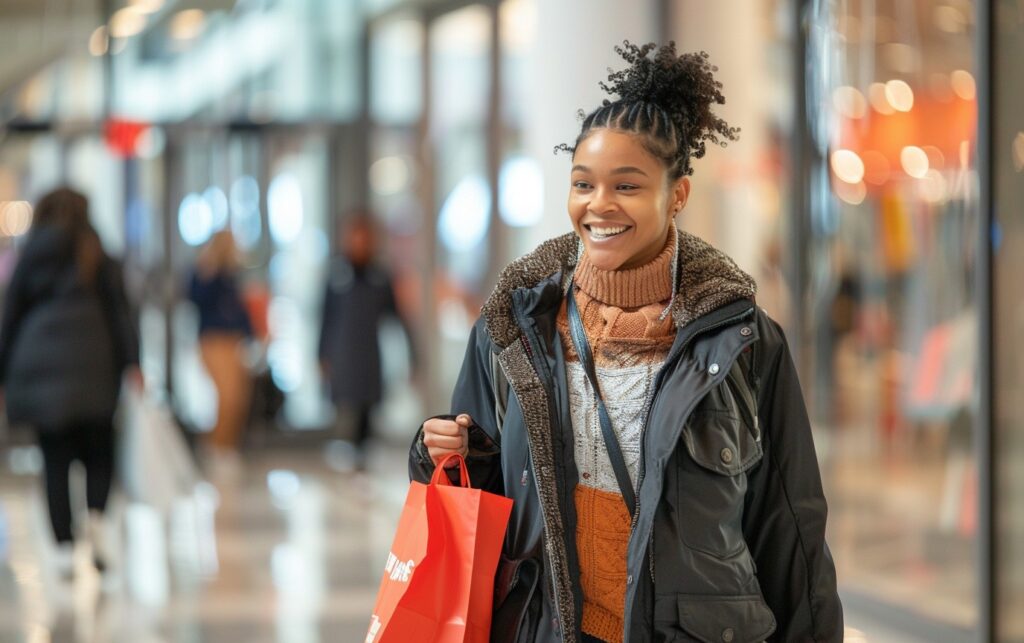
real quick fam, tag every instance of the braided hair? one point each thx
(666, 100)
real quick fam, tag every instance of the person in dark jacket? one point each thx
(644, 414)
(224, 327)
(358, 296)
(66, 339)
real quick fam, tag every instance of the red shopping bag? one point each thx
(438, 581)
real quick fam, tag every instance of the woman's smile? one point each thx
(603, 232)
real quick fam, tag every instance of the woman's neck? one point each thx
(647, 284)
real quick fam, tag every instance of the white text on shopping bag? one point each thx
(398, 570)
(374, 628)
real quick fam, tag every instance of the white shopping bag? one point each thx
(145, 564)
(157, 467)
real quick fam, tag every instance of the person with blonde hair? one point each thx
(224, 326)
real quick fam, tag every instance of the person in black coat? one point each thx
(66, 339)
(357, 297)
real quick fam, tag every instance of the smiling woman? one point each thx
(656, 444)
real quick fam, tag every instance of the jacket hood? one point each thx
(47, 253)
(708, 279)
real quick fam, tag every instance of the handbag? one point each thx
(438, 581)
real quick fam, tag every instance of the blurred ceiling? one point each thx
(35, 33)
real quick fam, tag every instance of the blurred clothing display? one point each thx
(224, 326)
(67, 337)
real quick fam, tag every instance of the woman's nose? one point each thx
(602, 201)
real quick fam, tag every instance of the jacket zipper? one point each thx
(658, 381)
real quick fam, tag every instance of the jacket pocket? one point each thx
(718, 448)
(719, 441)
(516, 601)
(725, 619)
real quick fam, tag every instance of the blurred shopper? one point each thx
(224, 327)
(622, 386)
(358, 296)
(67, 337)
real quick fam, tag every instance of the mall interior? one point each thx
(875, 194)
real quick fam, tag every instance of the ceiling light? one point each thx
(188, 24)
(900, 95)
(914, 161)
(963, 84)
(876, 94)
(99, 41)
(147, 6)
(126, 23)
(847, 166)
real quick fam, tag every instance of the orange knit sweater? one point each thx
(620, 312)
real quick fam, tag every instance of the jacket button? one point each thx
(629, 579)
(726, 455)
(713, 369)
(745, 331)
(728, 635)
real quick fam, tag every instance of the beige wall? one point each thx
(735, 198)
(572, 53)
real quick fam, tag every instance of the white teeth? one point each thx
(607, 232)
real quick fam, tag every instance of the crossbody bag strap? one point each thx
(579, 340)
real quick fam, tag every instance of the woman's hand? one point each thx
(445, 437)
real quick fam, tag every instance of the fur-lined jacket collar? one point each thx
(708, 279)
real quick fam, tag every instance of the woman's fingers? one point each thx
(444, 437)
(442, 427)
(449, 442)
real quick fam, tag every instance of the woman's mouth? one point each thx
(599, 232)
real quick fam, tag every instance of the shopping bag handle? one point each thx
(440, 472)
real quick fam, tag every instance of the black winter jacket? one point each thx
(728, 543)
(63, 343)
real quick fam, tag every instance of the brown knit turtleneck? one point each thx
(621, 312)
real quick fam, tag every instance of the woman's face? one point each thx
(621, 200)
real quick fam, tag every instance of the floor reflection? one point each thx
(287, 549)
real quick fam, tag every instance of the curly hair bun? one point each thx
(667, 97)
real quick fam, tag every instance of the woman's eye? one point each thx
(628, 186)
(581, 185)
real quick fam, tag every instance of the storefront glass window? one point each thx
(890, 346)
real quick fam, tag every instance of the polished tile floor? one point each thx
(288, 547)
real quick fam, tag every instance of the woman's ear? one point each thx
(680, 194)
